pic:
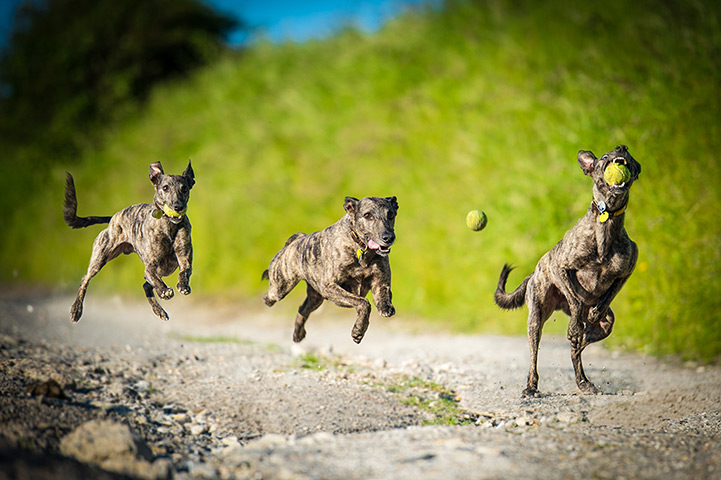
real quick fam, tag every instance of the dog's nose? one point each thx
(388, 238)
(178, 206)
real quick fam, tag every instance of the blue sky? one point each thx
(301, 20)
(296, 20)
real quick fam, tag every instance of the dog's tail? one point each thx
(70, 208)
(515, 299)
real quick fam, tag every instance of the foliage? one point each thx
(474, 105)
(71, 63)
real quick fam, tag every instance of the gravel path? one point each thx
(222, 392)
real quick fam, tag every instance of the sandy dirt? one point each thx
(222, 392)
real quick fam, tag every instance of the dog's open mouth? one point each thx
(380, 250)
(173, 216)
(616, 174)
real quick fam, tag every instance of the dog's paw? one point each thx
(357, 333)
(167, 294)
(387, 310)
(298, 334)
(76, 311)
(588, 388)
(530, 392)
(268, 301)
(596, 314)
(184, 289)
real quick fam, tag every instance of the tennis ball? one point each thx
(476, 220)
(172, 213)
(616, 174)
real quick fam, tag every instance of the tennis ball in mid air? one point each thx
(616, 174)
(476, 220)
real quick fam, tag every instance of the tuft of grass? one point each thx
(438, 401)
(315, 361)
(472, 105)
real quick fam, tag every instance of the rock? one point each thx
(49, 388)
(113, 447)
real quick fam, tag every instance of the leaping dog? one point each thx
(159, 233)
(584, 272)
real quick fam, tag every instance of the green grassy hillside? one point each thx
(478, 105)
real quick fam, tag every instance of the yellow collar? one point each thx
(604, 213)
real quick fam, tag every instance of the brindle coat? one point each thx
(163, 244)
(583, 273)
(341, 263)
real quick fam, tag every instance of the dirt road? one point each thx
(222, 392)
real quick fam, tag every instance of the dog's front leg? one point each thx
(343, 298)
(154, 279)
(381, 291)
(599, 311)
(184, 253)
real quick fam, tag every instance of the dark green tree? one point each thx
(70, 64)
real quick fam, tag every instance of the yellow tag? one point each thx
(603, 217)
(157, 213)
(359, 253)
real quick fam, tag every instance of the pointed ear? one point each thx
(350, 204)
(393, 202)
(156, 170)
(586, 160)
(190, 175)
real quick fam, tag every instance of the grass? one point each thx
(436, 400)
(476, 105)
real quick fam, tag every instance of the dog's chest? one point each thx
(598, 275)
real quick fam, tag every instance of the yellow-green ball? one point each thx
(476, 220)
(616, 174)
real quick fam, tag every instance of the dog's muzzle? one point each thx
(380, 250)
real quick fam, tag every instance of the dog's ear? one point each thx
(156, 170)
(393, 202)
(190, 175)
(350, 204)
(586, 160)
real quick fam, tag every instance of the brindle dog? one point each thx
(341, 264)
(583, 273)
(158, 233)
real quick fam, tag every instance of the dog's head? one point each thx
(615, 196)
(373, 220)
(172, 192)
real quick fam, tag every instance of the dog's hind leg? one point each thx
(150, 295)
(102, 253)
(537, 317)
(278, 286)
(313, 300)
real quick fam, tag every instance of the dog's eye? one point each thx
(183, 189)
(166, 188)
(368, 216)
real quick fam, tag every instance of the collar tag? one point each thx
(603, 217)
(601, 206)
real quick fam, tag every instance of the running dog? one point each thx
(341, 264)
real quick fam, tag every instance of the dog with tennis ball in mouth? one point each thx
(585, 271)
(341, 263)
(158, 233)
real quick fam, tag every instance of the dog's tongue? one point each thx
(373, 245)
